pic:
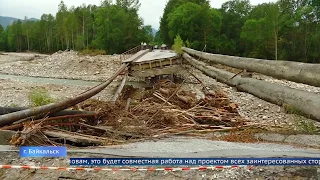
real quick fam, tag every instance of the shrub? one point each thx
(93, 52)
(178, 44)
(188, 44)
(39, 97)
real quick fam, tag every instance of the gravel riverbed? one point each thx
(67, 65)
(70, 65)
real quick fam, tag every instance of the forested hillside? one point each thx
(286, 30)
(113, 27)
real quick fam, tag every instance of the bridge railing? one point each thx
(129, 53)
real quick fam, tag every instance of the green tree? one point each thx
(147, 34)
(45, 32)
(256, 36)
(260, 33)
(199, 24)
(26, 27)
(157, 39)
(114, 27)
(234, 15)
(169, 8)
(178, 44)
(129, 4)
(15, 36)
(273, 21)
(3, 39)
(61, 31)
(117, 29)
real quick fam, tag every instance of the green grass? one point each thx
(305, 126)
(39, 97)
(13, 105)
(301, 124)
(289, 109)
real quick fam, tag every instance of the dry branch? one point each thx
(119, 90)
(160, 112)
(20, 125)
(76, 138)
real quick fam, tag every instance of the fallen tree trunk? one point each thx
(79, 138)
(294, 71)
(6, 110)
(306, 102)
(127, 104)
(74, 137)
(20, 125)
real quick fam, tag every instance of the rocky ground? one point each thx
(15, 92)
(13, 57)
(70, 65)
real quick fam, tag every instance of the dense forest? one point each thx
(113, 27)
(286, 30)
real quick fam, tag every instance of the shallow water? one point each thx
(58, 81)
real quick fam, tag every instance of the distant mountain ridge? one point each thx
(6, 21)
(154, 31)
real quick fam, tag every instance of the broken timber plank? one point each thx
(120, 88)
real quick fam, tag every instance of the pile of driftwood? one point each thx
(164, 110)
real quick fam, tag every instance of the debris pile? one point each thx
(164, 110)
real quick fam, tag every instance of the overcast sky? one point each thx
(150, 10)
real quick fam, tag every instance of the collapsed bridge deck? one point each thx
(146, 63)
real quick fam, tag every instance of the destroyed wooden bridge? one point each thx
(146, 63)
(150, 63)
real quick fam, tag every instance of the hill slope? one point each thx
(5, 21)
(154, 31)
